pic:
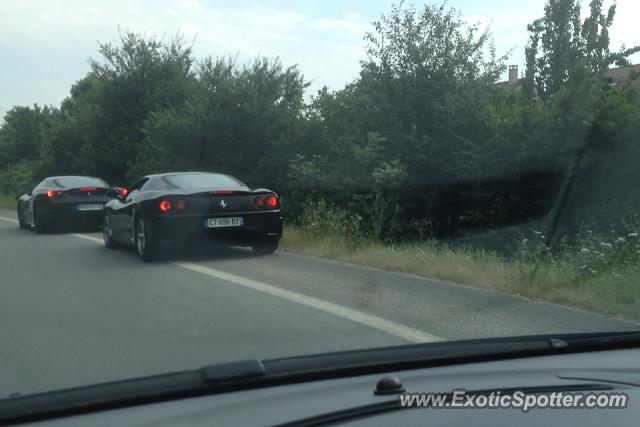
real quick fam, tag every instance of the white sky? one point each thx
(45, 44)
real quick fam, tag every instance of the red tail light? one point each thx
(221, 192)
(181, 205)
(271, 202)
(88, 189)
(259, 202)
(165, 205)
(52, 193)
(123, 192)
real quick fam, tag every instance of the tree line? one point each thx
(423, 135)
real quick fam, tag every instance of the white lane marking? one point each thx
(399, 330)
(393, 328)
(81, 236)
(90, 238)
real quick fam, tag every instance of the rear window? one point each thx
(79, 181)
(202, 180)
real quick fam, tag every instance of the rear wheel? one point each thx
(23, 225)
(145, 244)
(107, 233)
(39, 223)
(265, 248)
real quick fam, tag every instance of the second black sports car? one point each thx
(166, 209)
(56, 200)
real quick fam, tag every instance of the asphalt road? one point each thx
(73, 312)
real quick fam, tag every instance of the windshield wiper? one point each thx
(604, 339)
(358, 362)
(254, 373)
(224, 377)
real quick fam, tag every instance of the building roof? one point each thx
(619, 76)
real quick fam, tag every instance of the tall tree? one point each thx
(422, 66)
(23, 133)
(243, 119)
(561, 47)
(137, 78)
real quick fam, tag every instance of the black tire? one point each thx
(21, 223)
(39, 224)
(107, 234)
(265, 248)
(145, 244)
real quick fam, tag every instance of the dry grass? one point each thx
(616, 294)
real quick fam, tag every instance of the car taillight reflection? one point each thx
(271, 202)
(165, 205)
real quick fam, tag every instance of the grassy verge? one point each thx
(7, 202)
(615, 292)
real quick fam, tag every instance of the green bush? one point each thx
(7, 201)
(320, 219)
(16, 177)
(591, 253)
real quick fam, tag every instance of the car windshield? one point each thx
(292, 178)
(78, 181)
(202, 181)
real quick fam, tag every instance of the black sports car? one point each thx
(167, 209)
(64, 199)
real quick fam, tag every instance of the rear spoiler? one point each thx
(229, 192)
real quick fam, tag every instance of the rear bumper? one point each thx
(69, 213)
(257, 227)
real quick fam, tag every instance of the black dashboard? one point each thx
(352, 401)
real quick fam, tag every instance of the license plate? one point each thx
(224, 222)
(90, 207)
